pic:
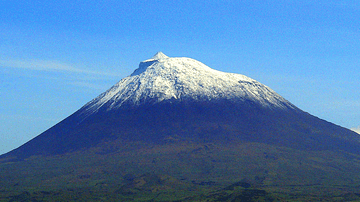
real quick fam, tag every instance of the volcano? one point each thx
(177, 117)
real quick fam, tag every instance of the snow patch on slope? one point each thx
(356, 129)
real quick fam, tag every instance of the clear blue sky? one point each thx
(58, 55)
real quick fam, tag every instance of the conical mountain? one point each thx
(168, 97)
(175, 120)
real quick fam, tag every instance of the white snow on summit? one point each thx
(172, 78)
(157, 56)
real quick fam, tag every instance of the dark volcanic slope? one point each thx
(214, 122)
(184, 100)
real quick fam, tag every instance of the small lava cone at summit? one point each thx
(175, 116)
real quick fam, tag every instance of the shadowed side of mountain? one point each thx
(223, 121)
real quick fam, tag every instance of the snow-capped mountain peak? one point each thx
(164, 78)
(158, 56)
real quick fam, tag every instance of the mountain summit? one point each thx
(158, 56)
(176, 79)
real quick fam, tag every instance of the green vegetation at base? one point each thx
(184, 172)
(230, 193)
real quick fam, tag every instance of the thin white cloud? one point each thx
(342, 103)
(48, 65)
(70, 74)
(89, 84)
